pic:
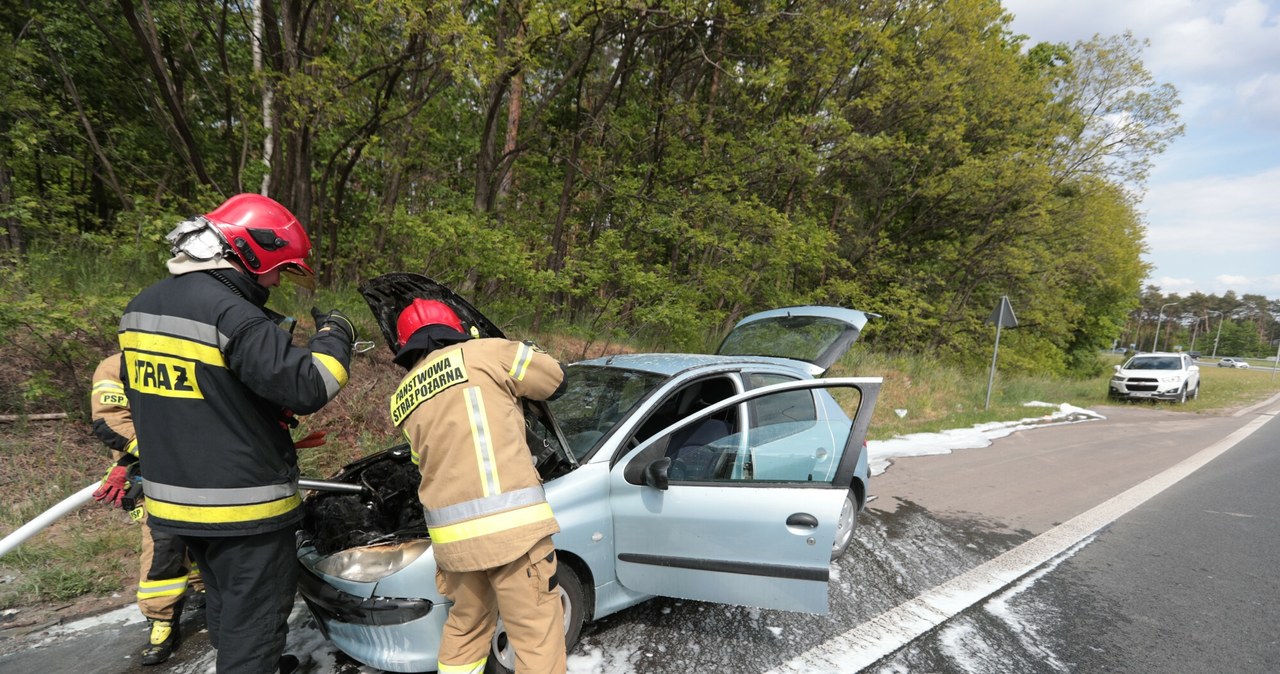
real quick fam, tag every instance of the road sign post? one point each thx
(1002, 317)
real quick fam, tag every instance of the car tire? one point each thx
(845, 526)
(1182, 396)
(1195, 392)
(502, 657)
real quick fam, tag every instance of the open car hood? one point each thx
(389, 294)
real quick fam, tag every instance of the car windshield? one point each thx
(1162, 363)
(595, 399)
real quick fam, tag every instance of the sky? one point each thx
(1212, 204)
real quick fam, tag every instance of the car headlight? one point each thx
(1171, 379)
(371, 563)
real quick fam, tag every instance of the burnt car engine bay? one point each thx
(388, 510)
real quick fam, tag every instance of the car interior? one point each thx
(694, 455)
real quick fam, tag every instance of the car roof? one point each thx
(670, 364)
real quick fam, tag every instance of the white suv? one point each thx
(1157, 376)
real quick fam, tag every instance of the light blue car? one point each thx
(731, 478)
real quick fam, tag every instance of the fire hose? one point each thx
(85, 495)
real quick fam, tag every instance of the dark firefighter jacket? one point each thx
(209, 378)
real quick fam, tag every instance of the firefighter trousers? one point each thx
(250, 583)
(164, 574)
(527, 595)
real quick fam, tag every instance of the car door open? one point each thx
(744, 515)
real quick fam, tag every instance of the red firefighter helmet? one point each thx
(422, 313)
(263, 234)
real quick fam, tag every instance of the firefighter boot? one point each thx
(164, 640)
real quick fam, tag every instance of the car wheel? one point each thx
(1182, 396)
(844, 526)
(1195, 392)
(502, 657)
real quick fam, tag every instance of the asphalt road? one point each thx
(1187, 575)
(1186, 582)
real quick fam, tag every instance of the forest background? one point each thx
(609, 169)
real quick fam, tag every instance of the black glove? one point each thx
(335, 320)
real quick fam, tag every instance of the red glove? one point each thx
(114, 486)
(314, 439)
(288, 419)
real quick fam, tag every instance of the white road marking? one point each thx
(867, 643)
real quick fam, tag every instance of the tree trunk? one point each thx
(12, 229)
(268, 102)
(91, 136)
(507, 165)
(144, 30)
(292, 182)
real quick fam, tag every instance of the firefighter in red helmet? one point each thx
(212, 382)
(489, 520)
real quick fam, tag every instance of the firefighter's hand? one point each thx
(114, 486)
(335, 320)
(313, 439)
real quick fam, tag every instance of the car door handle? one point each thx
(802, 520)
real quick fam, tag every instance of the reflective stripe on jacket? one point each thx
(209, 375)
(460, 409)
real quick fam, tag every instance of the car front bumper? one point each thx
(1145, 392)
(391, 634)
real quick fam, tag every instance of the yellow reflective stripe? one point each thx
(470, 668)
(486, 462)
(107, 385)
(521, 367)
(492, 524)
(173, 346)
(222, 514)
(333, 366)
(170, 587)
(414, 457)
(131, 448)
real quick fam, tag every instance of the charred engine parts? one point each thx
(386, 510)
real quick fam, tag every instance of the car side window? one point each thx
(781, 407)
(788, 439)
(687, 401)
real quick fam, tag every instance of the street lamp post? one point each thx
(1215, 338)
(1155, 343)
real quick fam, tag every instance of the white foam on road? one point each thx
(880, 453)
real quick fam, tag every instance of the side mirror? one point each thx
(1117, 369)
(655, 474)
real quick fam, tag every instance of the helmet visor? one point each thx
(299, 273)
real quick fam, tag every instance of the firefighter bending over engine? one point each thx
(488, 518)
